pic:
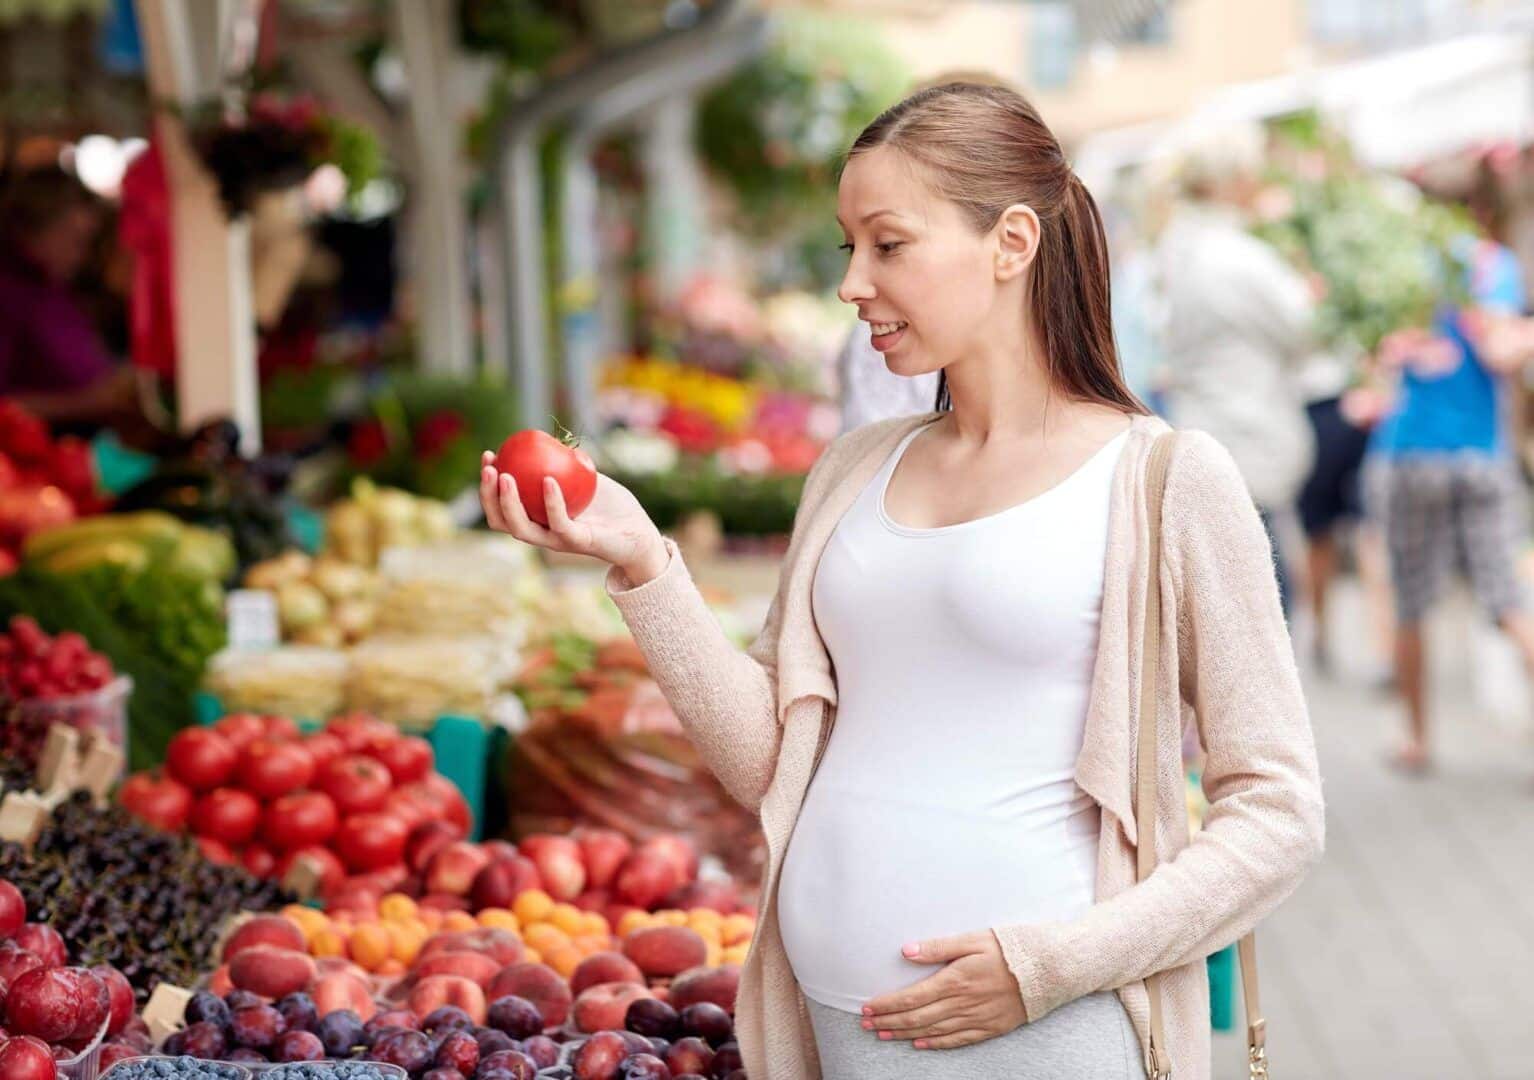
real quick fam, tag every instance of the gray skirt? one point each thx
(1090, 1038)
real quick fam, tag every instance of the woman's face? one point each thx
(61, 248)
(915, 264)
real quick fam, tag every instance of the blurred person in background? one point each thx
(52, 357)
(1238, 325)
(1442, 477)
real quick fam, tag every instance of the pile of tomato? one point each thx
(254, 790)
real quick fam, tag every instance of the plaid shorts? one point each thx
(1438, 514)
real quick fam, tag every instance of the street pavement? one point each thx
(1409, 951)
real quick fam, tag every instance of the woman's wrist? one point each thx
(648, 564)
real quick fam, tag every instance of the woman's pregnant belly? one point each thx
(866, 873)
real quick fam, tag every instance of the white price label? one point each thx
(252, 618)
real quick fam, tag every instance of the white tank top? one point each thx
(946, 799)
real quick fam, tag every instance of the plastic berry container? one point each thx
(134, 1067)
(103, 712)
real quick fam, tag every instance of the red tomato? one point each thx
(241, 728)
(357, 730)
(201, 758)
(332, 874)
(259, 861)
(324, 748)
(302, 820)
(371, 841)
(408, 758)
(411, 806)
(271, 769)
(227, 814)
(438, 800)
(359, 785)
(279, 728)
(156, 800)
(531, 455)
(215, 851)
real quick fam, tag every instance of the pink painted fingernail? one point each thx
(910, 950)
(868, 1025)
(886, 1036)
(867, 1010)
(920, 1044)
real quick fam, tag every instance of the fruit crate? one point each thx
(130, 1067)
(231, 1071)
(102, 712)
(464, 748)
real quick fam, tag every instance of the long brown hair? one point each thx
(984, 148)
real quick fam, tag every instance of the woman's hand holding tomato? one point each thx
(613, 527)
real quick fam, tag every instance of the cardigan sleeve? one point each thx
(725, 698)
(1265, 824)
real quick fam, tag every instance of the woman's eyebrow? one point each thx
(869, 217)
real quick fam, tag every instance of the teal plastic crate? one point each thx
(463, 747)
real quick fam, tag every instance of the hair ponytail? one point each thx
(985, 148)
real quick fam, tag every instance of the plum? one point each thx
(516, 1016)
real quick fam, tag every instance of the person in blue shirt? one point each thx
(1442, 477)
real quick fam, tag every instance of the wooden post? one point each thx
(186, 55)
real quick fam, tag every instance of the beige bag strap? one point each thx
(1159, 1065)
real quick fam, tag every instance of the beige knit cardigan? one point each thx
(761, 719)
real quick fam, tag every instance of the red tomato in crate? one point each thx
(216, 851)
(438, 799)
(371, 841)
(407, 757)
(331, 872)
(529, 456)
(201, 758)
(304, 819)
(357, 730)
(156, 800)
(270, 769)
(357, 784)
(228, 815)
(324, 748)
(279, 728)
(259, 861)
(241, 729)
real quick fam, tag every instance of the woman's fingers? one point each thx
(950, 1042)
(933, 1019)
(489, 498)
(518, 524)
(559, 517)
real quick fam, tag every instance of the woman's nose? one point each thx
(854, 286)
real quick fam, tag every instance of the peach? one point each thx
(645, 878)
(343, 990)
(499, 850)
(593, 900)
(604, 1006)
(476, 967)
(558, 859)
(265, 930)
(502, 946)
(271, 971)
(537, 983)
(452, 870)
(219, 982)
(605, 967)
(603, 851)
(721, 896)
(500, 883)
(678, 850)
(435, 991)
(425, 840)
(717, 985)
(443, 902)
(665, 950)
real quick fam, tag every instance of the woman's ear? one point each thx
(1017, 240)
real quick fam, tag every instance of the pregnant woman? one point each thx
(938, 724)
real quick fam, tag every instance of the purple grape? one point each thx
(644, 1067)
(650, 1017)
(299, 1011)
(516, 1016)
(256, 1026)
(205, 1040)
(298, 1046)
(340, 1032)
(242, 999)
(207, 1006)
(492, 1041)
(542, 1049)
(708, 1021)
(410, 1050)
(447, 1018)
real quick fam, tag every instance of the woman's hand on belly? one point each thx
(972, 998)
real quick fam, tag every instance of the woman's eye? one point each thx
(887, 249)
(845, 247)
